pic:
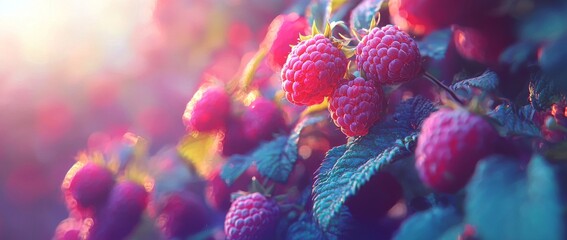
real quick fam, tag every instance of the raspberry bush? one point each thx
(392, 119)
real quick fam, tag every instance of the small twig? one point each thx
(441, 85)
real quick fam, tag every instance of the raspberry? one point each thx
(312, 70)
(217, 192)
(181, 215)
(234, 141)
(388, 56)
(262, 119)
(356, 105)
(484, 43)
(251, 216)
(87, 186)
(68, 229)
(208, 110)
(122, 212)
(426, 16)
(450, 145)
(283, 32)
(375, 198)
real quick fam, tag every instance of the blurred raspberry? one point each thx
(68, 229)
(262, 119)
(87, 186)
(208, 110)
(283, 32)
(234, 140)
(181, 215)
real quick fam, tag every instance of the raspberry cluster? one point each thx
(316, 68)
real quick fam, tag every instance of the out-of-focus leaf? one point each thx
(198, 150)
(553, 58)
(430, 224)
(488, 81)
(518, 54)
(275, 159)
(545, 23)
(546, 89)
(346, 168)
(504, 201)
(435, 44)
(362, 15)
(515, 122)
(340, 9)
(319, 11)
(234, 167)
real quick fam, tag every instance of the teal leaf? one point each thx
(435, 44)
(346, 168)
(319, 12)
(234, 167)
(515, 122)
(488, 81)
(430, 224)
(505, 201)
(546, 89)
(275, 159)
(362, 15)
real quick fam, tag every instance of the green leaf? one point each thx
(319, 12)
(522, 204)
(430, 224)
(435, 44)
(275, 159)
(362, 15)
(346, 168)
(546, 89)
(234, 167)
(515, 122)
(488, 81)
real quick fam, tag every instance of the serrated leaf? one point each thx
(304, 228)
(362, 15)
(435, 44)
(488, 81)
(319, 13)
(234, 167)
(515, 122)
(523, 204)
(346, 168)
(546, 89)
(430, 224)
(198, 150)
(275, 159)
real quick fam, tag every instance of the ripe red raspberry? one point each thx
(388, 55)
(181, 215)
(122, 212)
(312, 70)
(86, 187)
(284, 32)
(262, 119)
(356, 105)
(251, 216)
(375, 198)
(208, 110)
(450, 145)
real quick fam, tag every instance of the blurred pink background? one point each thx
(75, 75)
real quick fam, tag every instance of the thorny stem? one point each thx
(441, 85)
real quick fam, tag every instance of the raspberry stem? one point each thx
(441, 85)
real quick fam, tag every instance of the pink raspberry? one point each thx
(251, 217)
(356, 105)
(388, 55)
(312, 70)
(87, 187)
(450, 145)
(282, 33)
(262, 120)
(208, 110)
